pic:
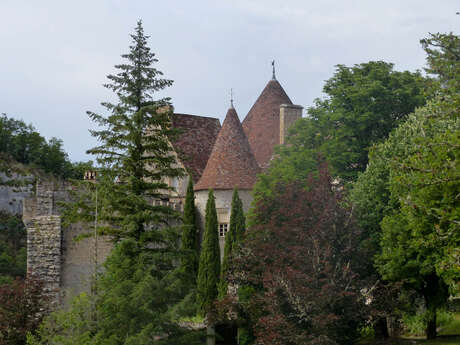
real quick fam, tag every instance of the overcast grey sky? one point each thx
(55, 54)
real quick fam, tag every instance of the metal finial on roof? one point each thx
(273, 67)
(231, 98)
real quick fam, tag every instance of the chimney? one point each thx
(289, 113)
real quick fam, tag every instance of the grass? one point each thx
(442, 340)
(448, 335)
(453, 327)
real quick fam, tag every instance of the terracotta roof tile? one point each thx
(195, 142)
(232, 164)
(262, 124)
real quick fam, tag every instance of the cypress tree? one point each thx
(209, 268)
(232, 238)
(190, 234)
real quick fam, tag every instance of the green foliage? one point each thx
(139, 290)
(233, 237)
(135, 155)
(414, 324)
(190, 234)
(407, 199)
(22, 306)
(209, 267)
(363, 104)
(12, 248)
(443, 58)
(25, 145)
(67, 327)
(136, 301)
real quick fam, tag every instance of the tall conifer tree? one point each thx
(232, 238)
(135, 154)
(190, 234)
(209, 268)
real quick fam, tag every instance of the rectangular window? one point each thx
(223, 228)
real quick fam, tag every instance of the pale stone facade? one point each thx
(223, 208)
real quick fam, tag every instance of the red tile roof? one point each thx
(195, 142)
(232, 164)
(262, 124)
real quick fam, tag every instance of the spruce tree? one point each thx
(232, 238)
(190, 234)
(135, 153)
(209, 268)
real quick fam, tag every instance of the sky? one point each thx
(56, 54)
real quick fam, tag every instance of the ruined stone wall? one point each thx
(11, 197)
(65, 265)
(44, 242)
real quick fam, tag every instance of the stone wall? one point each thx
(65, 265)
(11, 197)
(223, 208)
(289, 113)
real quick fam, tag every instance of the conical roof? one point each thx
(231, 164)
(262, 124)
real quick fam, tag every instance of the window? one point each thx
(174, 182)
(223, 228)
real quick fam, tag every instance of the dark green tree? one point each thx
(12, 248)
(209, 268)
(443, 59)
(135, 155)
(232, 239)
(189, 238)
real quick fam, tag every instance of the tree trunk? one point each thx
(430, 330)
(210, 335)
(435, 294)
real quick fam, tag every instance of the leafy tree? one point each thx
(209, 268)
(21, 310)
(190, 234)
(232, 239)
(297, 266)
(363, 104)
(406, 201)
(24, 144)
(443, 59)
(67, 327)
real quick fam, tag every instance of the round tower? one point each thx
(230, 165)
(267, 122)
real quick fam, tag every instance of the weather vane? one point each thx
(273, 67)
(231, 98)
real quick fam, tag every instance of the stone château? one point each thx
(216, 157)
